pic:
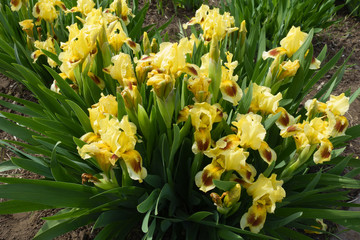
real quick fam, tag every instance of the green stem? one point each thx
(195, 166)
(301, 160)
(126, 180)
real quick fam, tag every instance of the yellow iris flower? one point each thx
(204, 179)
(265, 192)
(83, 6)
(112, 139)
(122, 70)
(121, 8)
(27, 26)
(262, 100)
(162, 83)
(45, 9)
(204, 115)
(255, 217)
(338, 105)
(47, 45)
(214, 25)
(17, 4)
(250, 130)
(288, 69)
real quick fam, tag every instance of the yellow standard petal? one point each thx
(293, 40)
(338, 105)
(250, 130)
(203, 115)
(108, 104)
(235, 159)
(268, 189)
(101, 152)
(122, 70)
(262, 99)
(288, 69)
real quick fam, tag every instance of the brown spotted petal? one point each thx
(133, 45)
(202, 141)
(337, 125)
(15, 5)
(133, 161)
(36, 54)
(247, 172)
(285, 120)
(323, 154)
(273, 53)
(97, 80)
(315, 63)
(191, 69)
(229, 142)
(244, 184)
(291, 130)
(255, 217)
(204, 179)
(231, 91)
(266, 153)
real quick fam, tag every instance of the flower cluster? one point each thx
(156, 100)
(280, 69)
(324, 120)
(214, 25)
(112, 139)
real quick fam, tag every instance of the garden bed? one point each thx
(344, 34)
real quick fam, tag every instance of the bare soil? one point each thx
(345, 34)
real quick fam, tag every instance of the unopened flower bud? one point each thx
(132, 97)
(162, 84)
(146, 44)
(154, 46)
(243, 32)
(232, 196)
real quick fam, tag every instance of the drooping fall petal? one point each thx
(204, 179)
(133, 161)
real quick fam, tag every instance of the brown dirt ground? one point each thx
(343, 34)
